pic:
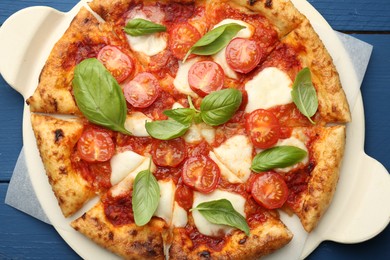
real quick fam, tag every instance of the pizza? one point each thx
(194, 122)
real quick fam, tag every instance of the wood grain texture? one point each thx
(23, 237)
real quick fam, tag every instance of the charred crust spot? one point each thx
(205, 254)
(268, 4)
(84, 216)
(63, 170)
(252, 2)
(110, 236)
(242, 241)
(133, 233)
(86, 20)
(58, 135)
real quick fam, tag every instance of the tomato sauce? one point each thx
(119, 210)
(215, 244)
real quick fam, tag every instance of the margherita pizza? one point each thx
(194, 122)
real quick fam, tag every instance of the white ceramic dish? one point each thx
(356, 213)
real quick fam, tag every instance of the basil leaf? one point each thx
(139, 27)
(146, 195)
(99, 96)
(277, 157)
(304, 94)
(215, 40)
(218, 107)
(166, 129)
(222, 212)
(181, 115)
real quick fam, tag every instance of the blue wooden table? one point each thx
(22, 236)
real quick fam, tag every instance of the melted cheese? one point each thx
(181, 80)
(220, 57)
(124, 163)
(293, 141)
(150, 44)
(271, 87)
(234, 157)
(165, 205)
(179, 218)
(135, 123)
(197, 132)
(207, 228)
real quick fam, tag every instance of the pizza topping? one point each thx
(208, 228)
(222, 212)
(99, 96)
(118, 210)
(201, 173)
(184, 196)
(263, 128)
(135, 123)
(304, 94)
(168, 153)
(205, 77)
(277, 157)
(220, 57)
(243, 55)
(95, 145)
(179, 216)
(197, 132)
(146, 194)
(181, 80)
(142, 91)
(166, 200)
(234, 158)
(181, 37)
(139, 27)
(117, 63)
(166, 129)
(269, 190)
(124, 163)
(214, 40)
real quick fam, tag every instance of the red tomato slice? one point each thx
(243, 55)
(95, 145)
(168, 153)
(270, 190)
(118, 63)
(142, 91)
(101, 173)
(184, 196)
(205, 77)
(201, 173)
(263, 128)
(181, 38)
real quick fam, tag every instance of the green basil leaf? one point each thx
(304, 94)
(146, 195)
(222, 212)
(277, 157)
(218, 107)
(215, 40)
(99, 96)
(166, 129)
(181, 115)
(139, 27)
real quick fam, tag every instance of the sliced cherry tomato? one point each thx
(181, 38)
(205, 77)
(118, 63)
(168, 153)
(263, 128)
(243, 55)
(184, 196)
(201, 173)
(95, 145)
(269, 190)
(142, 91)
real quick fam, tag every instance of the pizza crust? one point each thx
(333, 105)
(128, 241)
(265, 238)
(328, 152)
(56, 139)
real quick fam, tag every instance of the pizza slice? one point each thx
(85, 38)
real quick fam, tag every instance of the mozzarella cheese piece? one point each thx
(150, 44)
(220, 57)
(293, 141)
(271, 87)
(166, 203)
(181, 80)
(126, 165)
(197, 132)
(179, 218)
(204, 226)
(135, 123)
(234, 157)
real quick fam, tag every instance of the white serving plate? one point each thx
(356, 214)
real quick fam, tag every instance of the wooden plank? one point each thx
(22, 236)
(355, 15)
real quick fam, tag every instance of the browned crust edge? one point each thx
(56, 139)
